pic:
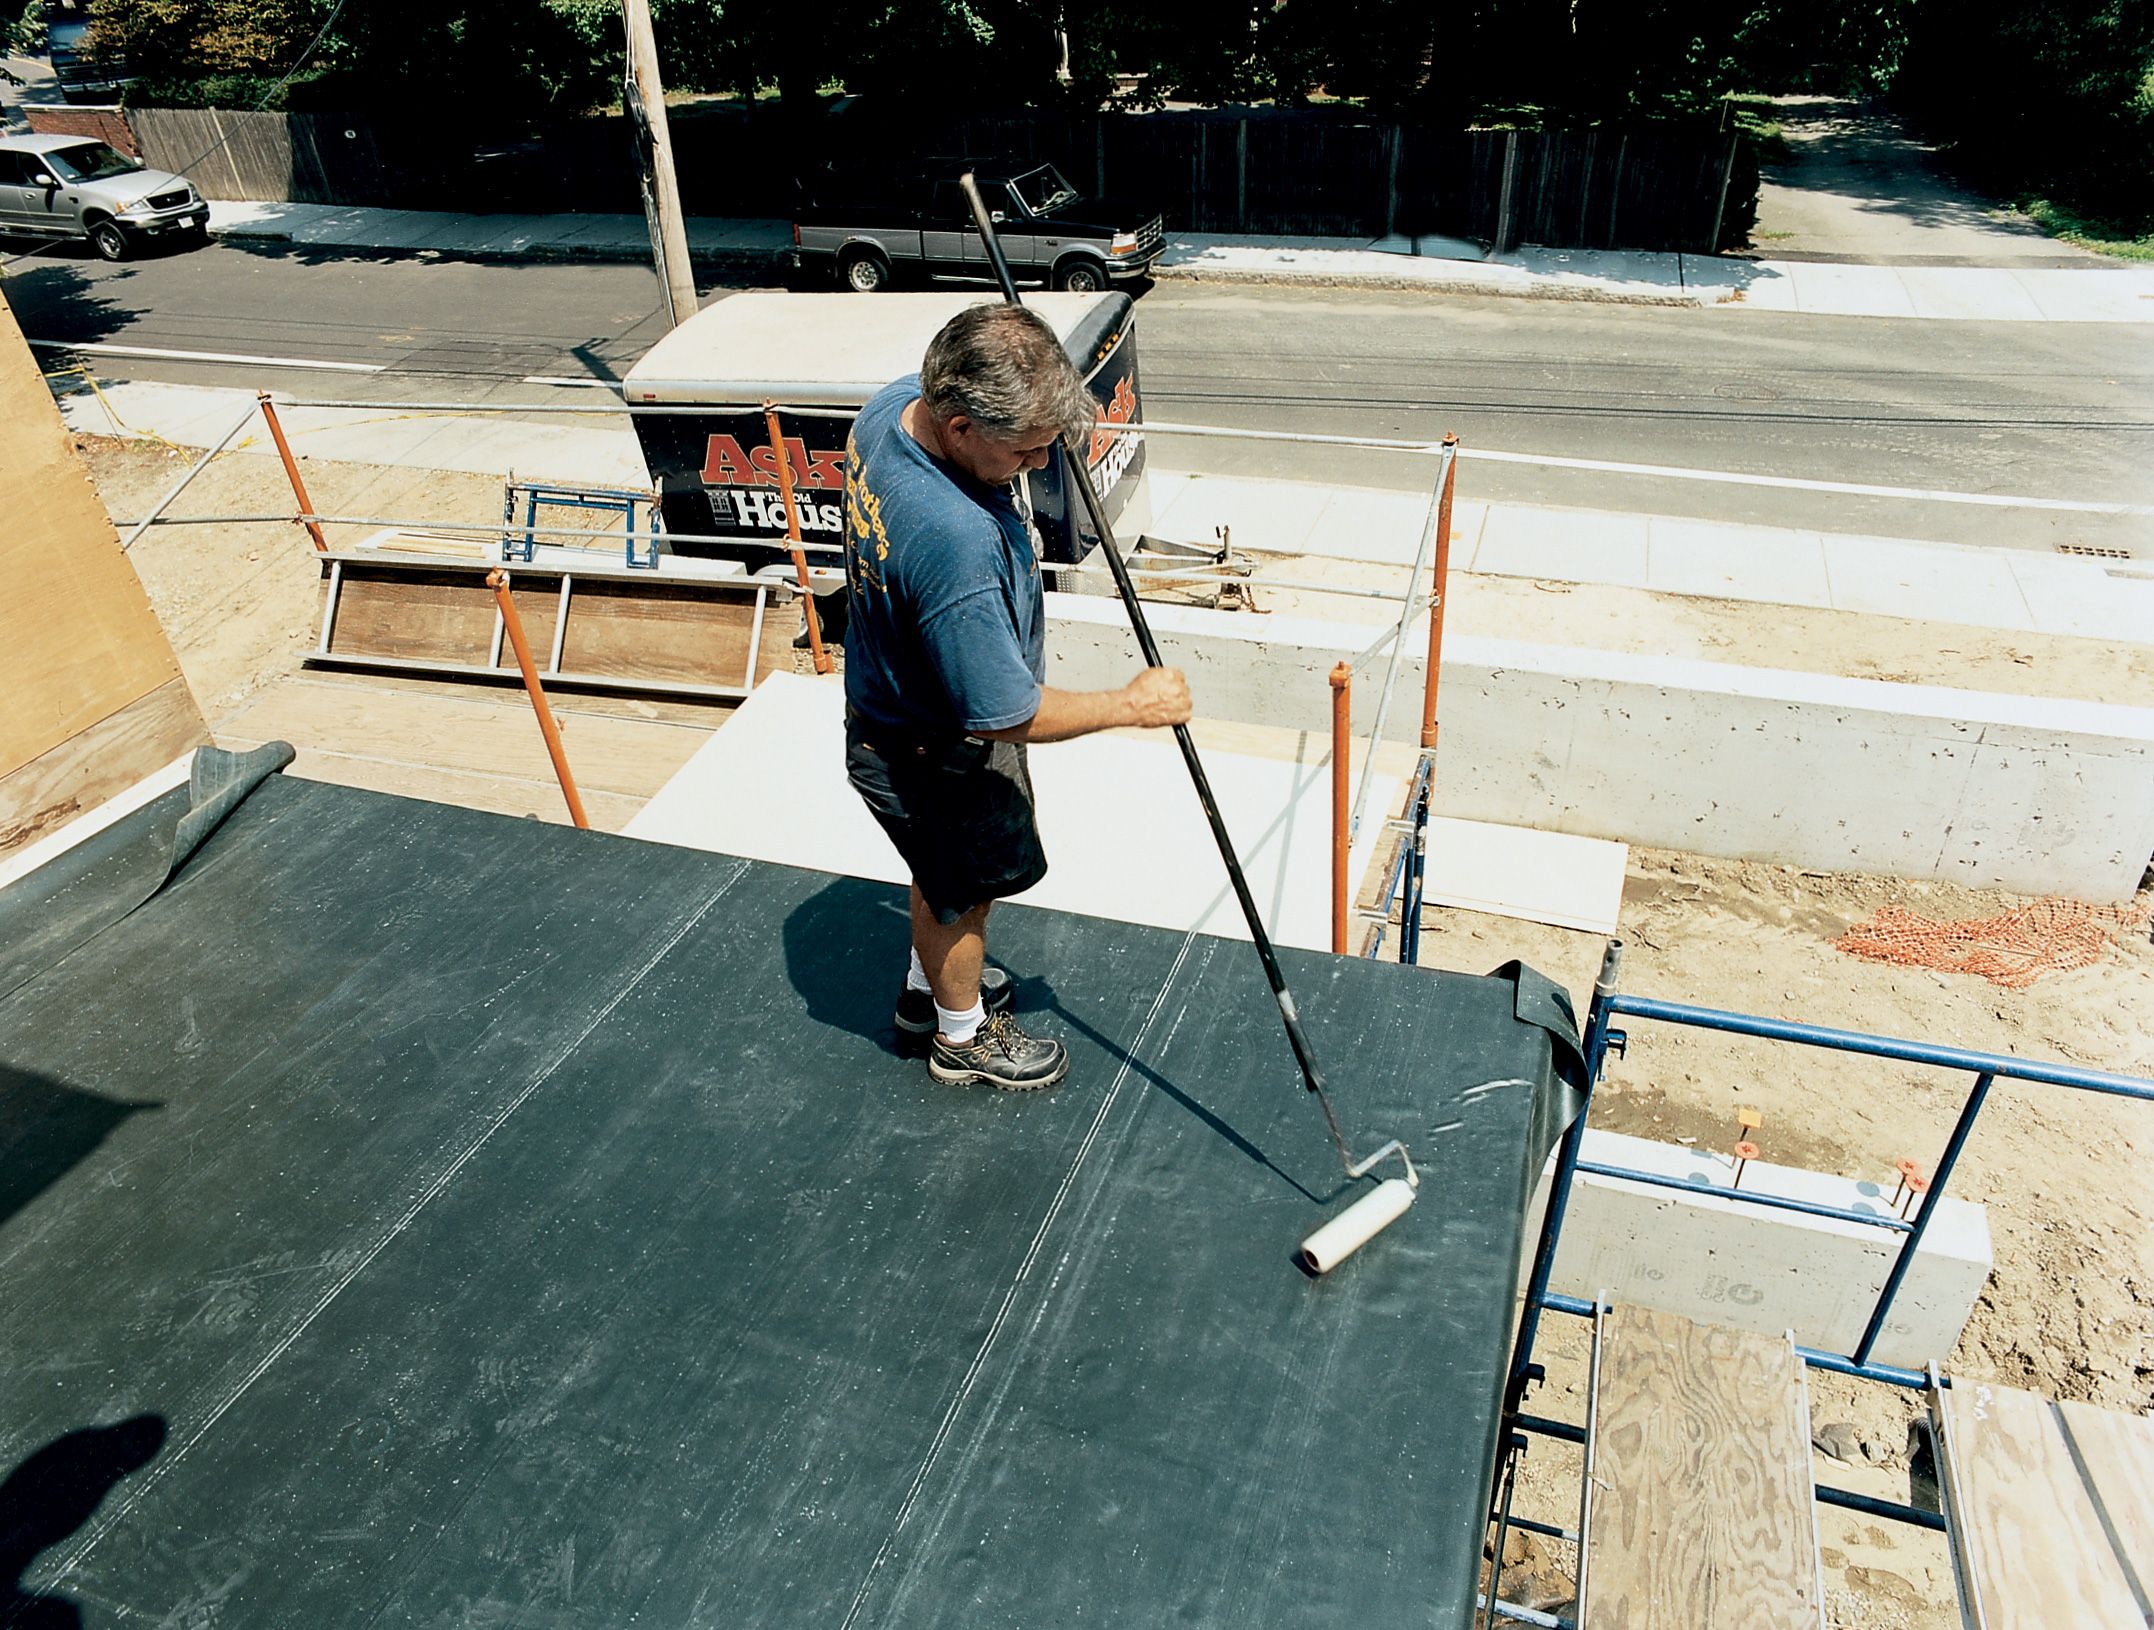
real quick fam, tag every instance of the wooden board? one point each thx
(2027, 1538)
(651, 630)
(497, 794)
(493, 734)
(81, 642)
(2116, 1452)
(437, 616)
(1702, 1499)
(98, 763)
(658, 631)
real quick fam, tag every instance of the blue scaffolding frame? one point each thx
(520, 542)
(1603, 1036)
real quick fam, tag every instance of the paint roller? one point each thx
(1387, 1202)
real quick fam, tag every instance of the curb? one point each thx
(770, 263)
(1283, 277)
(728, 260)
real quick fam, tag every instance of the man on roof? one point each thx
(945, 666)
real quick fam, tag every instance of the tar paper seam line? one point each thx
(426, 1196)
(978, 1365)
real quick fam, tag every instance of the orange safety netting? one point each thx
(2013, 949)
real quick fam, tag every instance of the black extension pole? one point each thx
(1073, 458)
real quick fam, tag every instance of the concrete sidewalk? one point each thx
(2008, 590)
(2100, 293)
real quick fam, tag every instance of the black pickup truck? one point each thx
(870, 228)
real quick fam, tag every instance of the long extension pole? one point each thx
(1311, 1073)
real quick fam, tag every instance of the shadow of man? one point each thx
(845, 948)
(50, 1496)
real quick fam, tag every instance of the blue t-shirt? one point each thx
(948, 625)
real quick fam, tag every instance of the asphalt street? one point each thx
(2050, 410)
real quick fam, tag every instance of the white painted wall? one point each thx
(2026, 793)
(1719, 1261)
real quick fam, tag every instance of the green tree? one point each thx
(2055, 100)
(523, 57)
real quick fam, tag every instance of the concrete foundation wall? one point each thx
(1719, 1261)
(2025, 793)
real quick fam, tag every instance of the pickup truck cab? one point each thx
(869, 230)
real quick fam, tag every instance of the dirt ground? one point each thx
(2066, 1176)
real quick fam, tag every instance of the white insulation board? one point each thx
(1125, 837)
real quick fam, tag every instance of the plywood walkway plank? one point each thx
(2117, 1454)
(1702, 1498)
(488, 735)
(497, 794)
(2028, 1540)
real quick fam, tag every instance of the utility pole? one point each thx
(645, 96)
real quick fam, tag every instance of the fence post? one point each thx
(1504, 206)
(1720, 210)
(1241, 174)
(1394, 140)
(1342, 679)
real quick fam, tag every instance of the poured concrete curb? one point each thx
(2033, 794)
(730, 260)
(1318, 277)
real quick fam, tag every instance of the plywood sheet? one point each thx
(80, 639)
(2030, 1543)
(493, 734)
(1125, 837)
(2116, 1452)
(96, 764)
(1702, 1498)
(467, 789)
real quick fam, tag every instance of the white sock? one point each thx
(916, 976)
(959, 1026)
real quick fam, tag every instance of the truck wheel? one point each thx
(1080, 276)
(109, 240)
(864, 272)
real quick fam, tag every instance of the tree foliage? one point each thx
(2055, 99)
(469, 55)
(2027, 92)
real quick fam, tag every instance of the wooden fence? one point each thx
(1267, 172)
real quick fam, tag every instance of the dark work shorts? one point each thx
(958, 808)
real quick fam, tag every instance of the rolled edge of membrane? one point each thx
(1354, 1227)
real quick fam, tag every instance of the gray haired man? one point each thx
(945, 666)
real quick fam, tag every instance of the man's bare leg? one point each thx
(952, 953)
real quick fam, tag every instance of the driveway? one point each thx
(1859, 189)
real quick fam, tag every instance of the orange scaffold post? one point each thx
(512, 621)
(291, 471)
(1342, 682)
(792, 535)
(1438, 594)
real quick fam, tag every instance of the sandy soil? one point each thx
(2066, 1177)
(1846, 644)
(2070, 1310)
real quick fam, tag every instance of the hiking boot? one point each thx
(916, 1008)
(1002, 1056)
